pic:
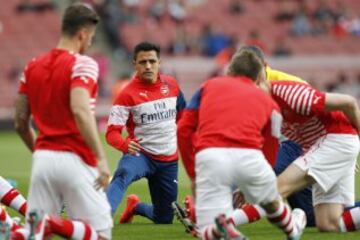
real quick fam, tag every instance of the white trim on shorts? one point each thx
(331, 162)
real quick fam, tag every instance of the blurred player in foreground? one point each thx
(148, 108)
(279, 157)
(232, 118)
(326, 126)
(58, 90)
(288, 152)
(9, 196)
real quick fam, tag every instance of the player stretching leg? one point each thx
(11, 197)
(288, 152)
(232, 157)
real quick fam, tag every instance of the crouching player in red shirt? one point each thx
(231, 117)
(326, 126)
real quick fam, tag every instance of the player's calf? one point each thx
(350, 220)
(4, 231)
(292, 224)
(11, 197)
(328, 216)
(222, 229)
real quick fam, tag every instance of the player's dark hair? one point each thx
(76, 17)
(246, 63)
(146, 46)
(256, 50)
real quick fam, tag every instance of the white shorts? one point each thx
(60, 178)
(219, 170)
(331, 162)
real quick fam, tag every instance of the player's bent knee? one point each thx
(124, 173)
(164, 219)
(105, 234)
(327, 226)
(271, 207)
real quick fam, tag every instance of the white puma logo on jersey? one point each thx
(316, 99)
(144, 94)
(85, 79)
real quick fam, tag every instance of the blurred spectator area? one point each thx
(270, 19)
(190, 30)
(322, 72)
(27, 28)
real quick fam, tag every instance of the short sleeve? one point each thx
(85, 73)
(301, 98)
(318, 102)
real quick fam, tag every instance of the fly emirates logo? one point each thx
(158, 111)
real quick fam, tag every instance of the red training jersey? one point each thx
(305, 117)
(149, 112)
(47, 82)
(227, 112)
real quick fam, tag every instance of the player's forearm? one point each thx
(85, 120)
(86, 123)
(187, 157)
(352, 112)
(22, 121)
(345, 103)
(186, 138)
(114, 139)
(27, 134)
(186, 149)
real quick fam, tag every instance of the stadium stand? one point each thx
(253, 17)
(25, 34)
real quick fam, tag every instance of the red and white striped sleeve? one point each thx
(301, 98)
(85, 72)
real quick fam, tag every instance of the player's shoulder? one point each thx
(214, 80)
(288, 83)
(85, 60)
(30, 64)
(36, 60)
(169, 79)
(126, 95)
(277, 75)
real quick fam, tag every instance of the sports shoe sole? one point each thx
(182, 217)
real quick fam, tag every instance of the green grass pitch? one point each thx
(15, 163)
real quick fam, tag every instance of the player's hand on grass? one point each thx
(103, 179)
